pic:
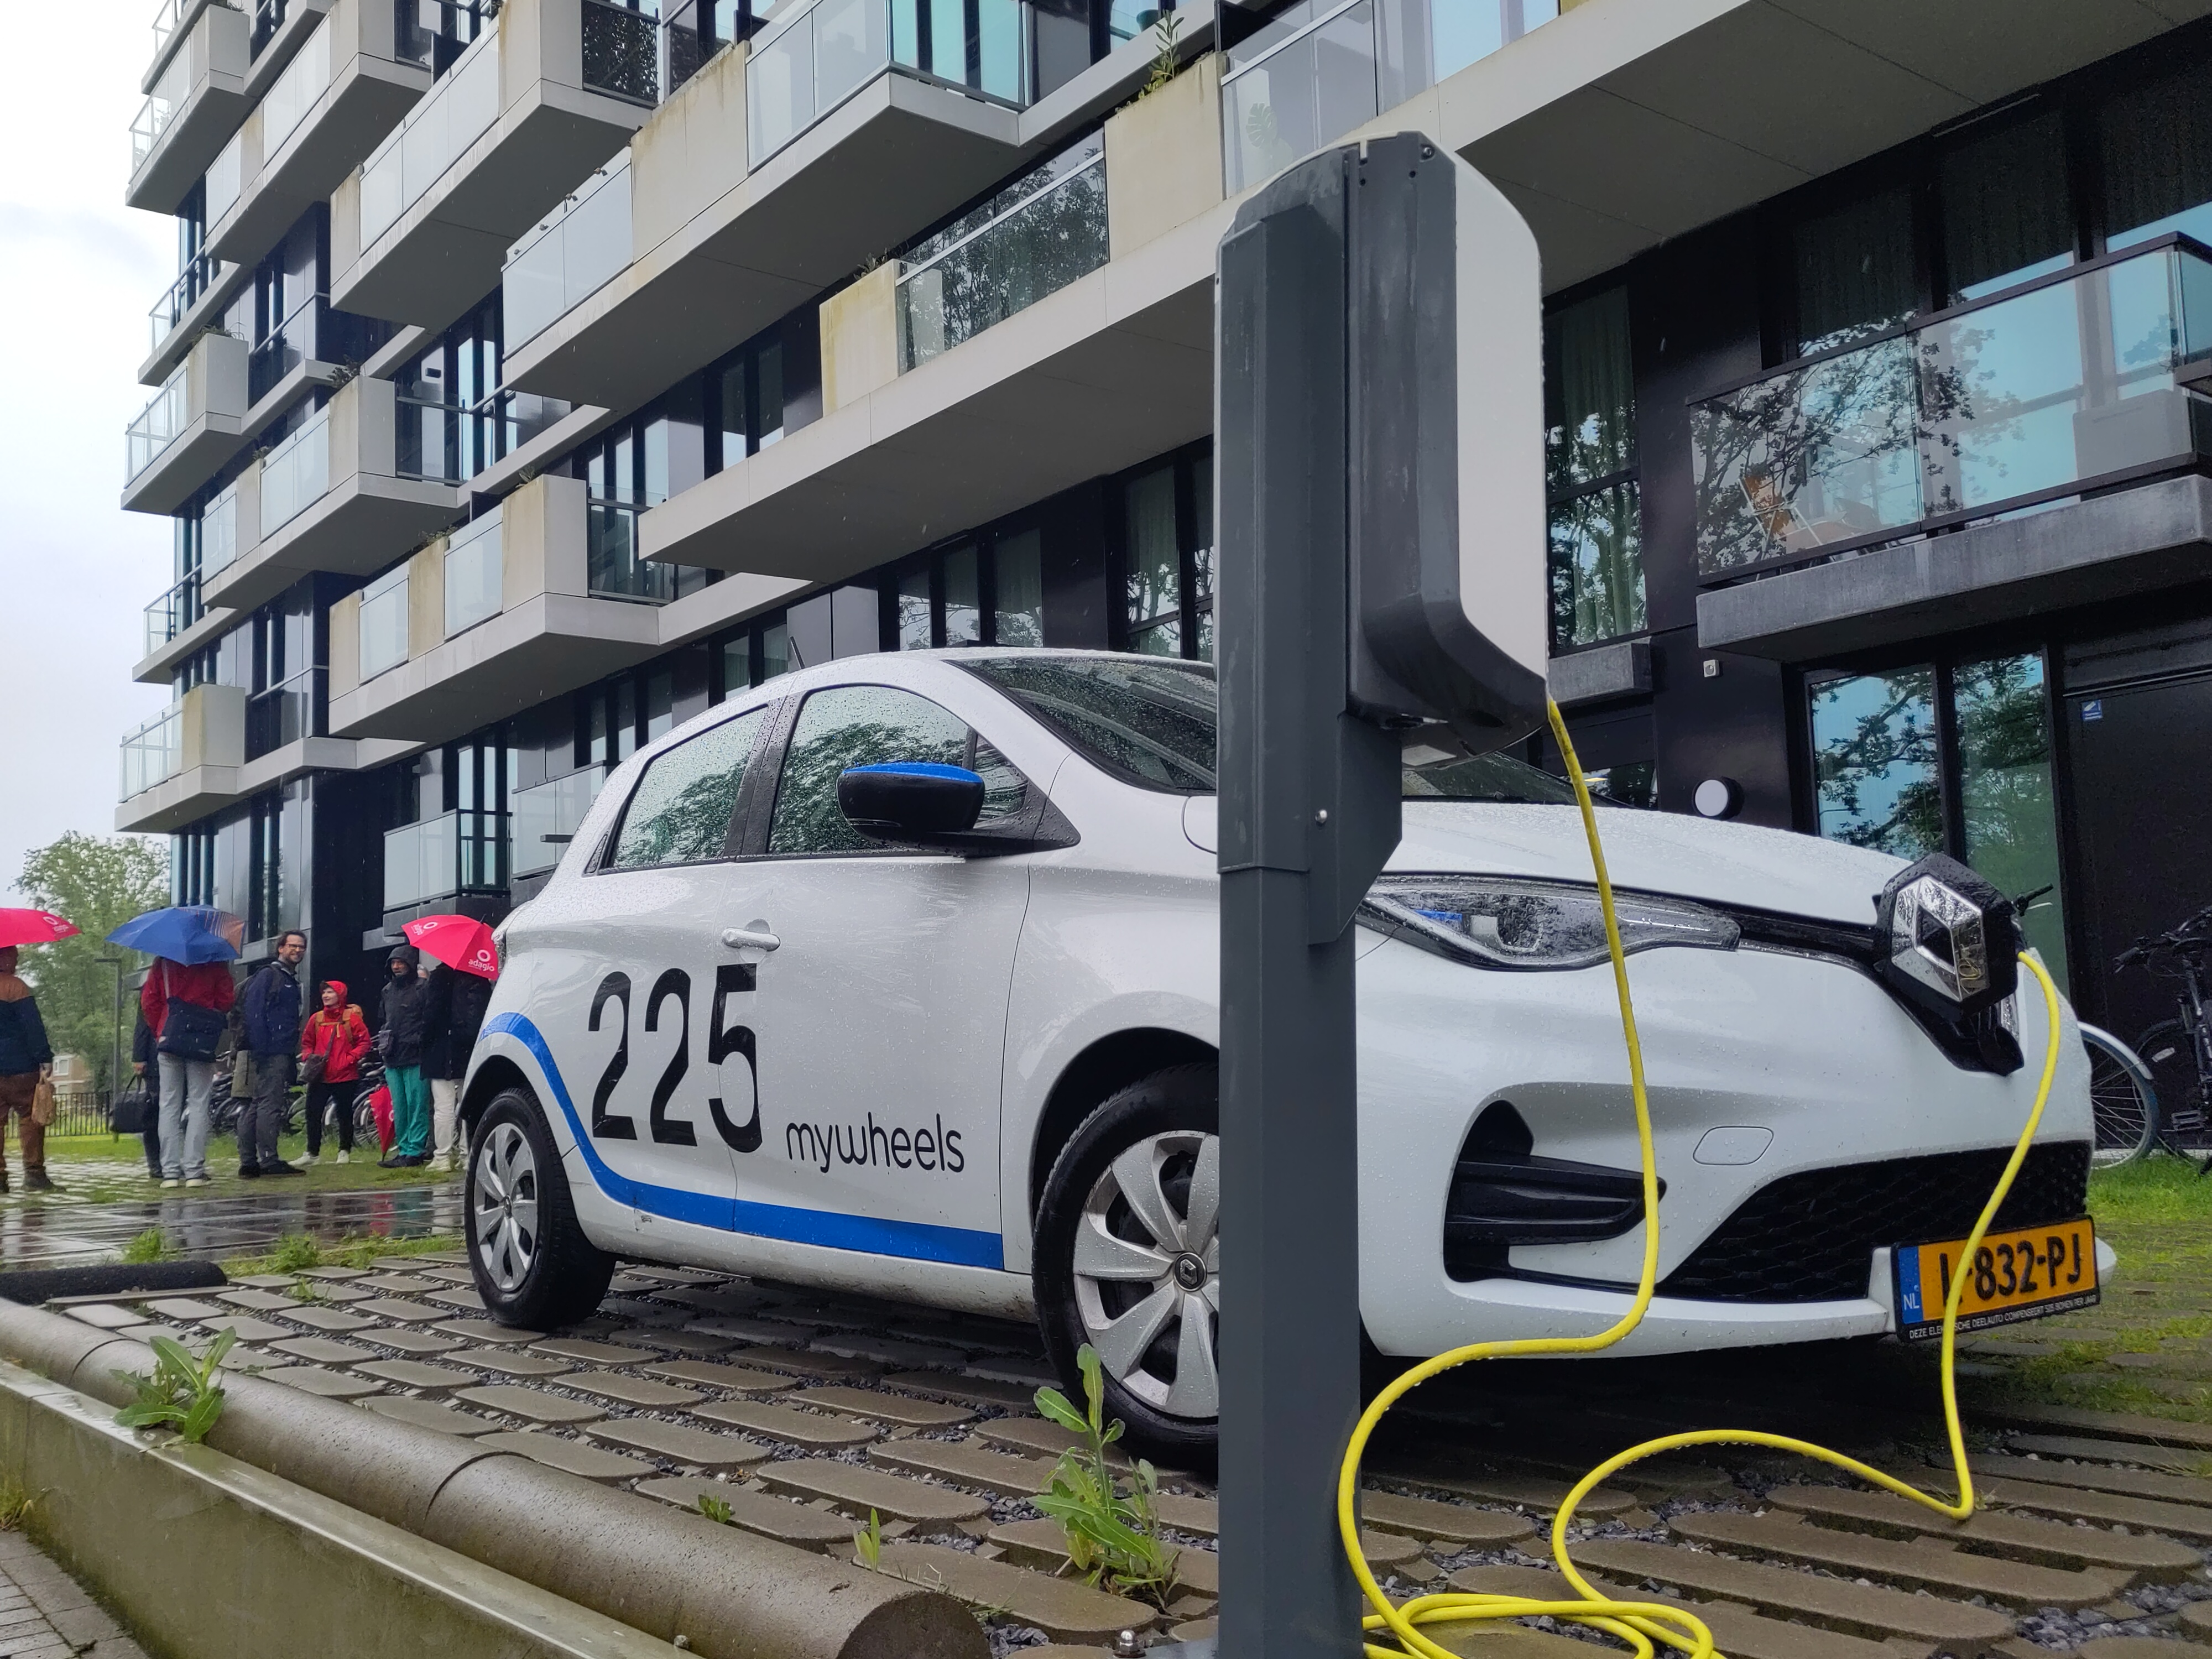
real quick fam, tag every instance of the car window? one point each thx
(863, 725)
(680, 812)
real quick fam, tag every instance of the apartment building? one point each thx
(538, 373)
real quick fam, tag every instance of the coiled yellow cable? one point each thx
(1642, 1623)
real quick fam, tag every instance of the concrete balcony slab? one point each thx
(191, 112)
(157, 666)
(194, 424)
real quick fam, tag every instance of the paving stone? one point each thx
(2112, 1426)
(335, 1274)
(888, 1350)
(258, 1301)
(399, 1284)
(2182, 1520)
(861, 1489)
(2196, 1621)
(428, 1414)
(1994, 1531)
(1739, 1632)
(2172, 1459)
(416, 1374)
(2096, 1477)
(535, 1404)
(458, 1296)
(484, 1330)
(315, 1379)
(734, 1301)
(632, 1390)
(2178, 1362)
(1423, 1517)
(809, 1429)
(969, 1463)
(323, 1351)
(1536, 1495)
(884, 1408)
(745, 1328)
(1945, 1570)
(266, 1281)
(325, 1318)
(249, 1328)
(824, 1367)
(399, 1308)
(317, 1290)
(1198, 1515)
(507, 1362)
(2125, 1647)
(970, 1390)
(698, 1344)
(592, 1462)
(2175, 1388)
(580, 1350)
(738, 1379)
(780, 1518)
(417, 1342)
(1044, 1544)
(1862, 1609)
(680, 1442)
(107, 1316)
(1035, 1436)
(1029, 1373)
(184, 1307)
(1060, 1608)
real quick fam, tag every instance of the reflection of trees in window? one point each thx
(1875, 761)
(1590, 453)
(681, 812)
(2005, 792)
(867, 725)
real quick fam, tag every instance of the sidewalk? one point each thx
(45, 1616)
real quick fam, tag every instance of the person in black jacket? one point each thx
(270, 1010)
(457, 1005)
(402, 1032)
(141, 1061)
(24, 1056)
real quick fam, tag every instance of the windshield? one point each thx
(1152, 723)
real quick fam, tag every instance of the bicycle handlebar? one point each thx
(2183, 937)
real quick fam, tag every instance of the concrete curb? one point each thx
(733, 1594)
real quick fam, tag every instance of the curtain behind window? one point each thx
(2156, 144)
(2008, 214)
(1854, 269)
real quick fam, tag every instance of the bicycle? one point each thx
(2123, 1100)
(2176, 1053)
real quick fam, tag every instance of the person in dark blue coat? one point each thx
(25, 1054)
(271, 1013)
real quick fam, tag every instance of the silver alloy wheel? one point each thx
(1147, 1271)
(504, 1191)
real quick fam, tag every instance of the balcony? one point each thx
(724, 230)
(524, 113)
(176, 625)
(452, 854)
(346, 88)
(183, 763)
(330, 496)
(188, 305)
(2060, 388)
(193, 424)
(291, 712)
(547, 816)
(193, 106)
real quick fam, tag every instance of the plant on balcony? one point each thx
(1167, 30)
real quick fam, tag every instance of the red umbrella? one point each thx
(461, 942)
(33, 927)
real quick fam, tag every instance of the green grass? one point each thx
(105, 1169)
(297, 1252)
(2160, 1188)
(148, 1246)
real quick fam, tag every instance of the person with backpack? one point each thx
(331, 1045)
(458, 1004)
(25, 1057)
(186, 1008)
(402, 1033)
(270, 1010)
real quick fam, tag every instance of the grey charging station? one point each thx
(1378, 429)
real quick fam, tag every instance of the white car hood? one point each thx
(1657, 852)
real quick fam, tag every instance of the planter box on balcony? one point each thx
(194, 106)
(194, 424)
(420, 230)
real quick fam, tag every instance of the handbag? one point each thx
(379, 1106)
(132, 1111)
(42, 1102)
(311, 1069)
(189, 1030)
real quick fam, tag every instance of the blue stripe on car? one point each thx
(914, 1240)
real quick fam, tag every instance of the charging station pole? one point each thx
(1378, 384)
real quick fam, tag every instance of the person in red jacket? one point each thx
(337, 1036)
(185, 1047)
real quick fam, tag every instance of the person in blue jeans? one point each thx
(401, 1035)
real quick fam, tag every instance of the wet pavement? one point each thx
(48, 1233)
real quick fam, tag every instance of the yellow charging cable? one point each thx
(1642, 1623)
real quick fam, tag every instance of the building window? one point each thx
(1854, 270)
(767, 387)
(2155, 144)
(1946, 757)
(1167, 557)
(2008, 214)
(1596, 551)
(986, 589)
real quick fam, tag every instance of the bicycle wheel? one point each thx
(2167, 1050)
(2122, 1097)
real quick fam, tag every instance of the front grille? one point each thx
(1810, 1237)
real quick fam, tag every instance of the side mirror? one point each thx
(909, 800)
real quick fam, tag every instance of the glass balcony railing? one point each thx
(2006, 403)
(224, 181)
(548, 816)
(170, 17)
(458, 111)
(614, 565)
(1033, 238)
(148, 126)
(268, 17)
(219, 533)
(383, 624)
(293, 93)
(295, 474)
(577, 250)
(201, 273)
(315, 331)
(475, 573)
(448, 443)
(621, 49)
(810, 59)
(173, 612)
(1321, 68)
(434, 33)
(154, 753)
(455, 853)
(296, 708)
(158, 425)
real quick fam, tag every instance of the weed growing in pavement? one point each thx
(306, 1290)
(1110, 1536)
(296, 1253)
(868, 1542)
(360, 1252)
(715, 1508)
(182, 1392)
(148, 1246)
(15, 1502)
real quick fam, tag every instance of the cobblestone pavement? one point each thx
(45, 1616)
(802, 1412)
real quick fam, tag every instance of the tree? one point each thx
(98, 882)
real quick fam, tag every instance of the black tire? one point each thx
(2167, 1048)
(541, 1272)
(2122, 1100)
(1178, 1109)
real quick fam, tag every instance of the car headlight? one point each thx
(1489, 922)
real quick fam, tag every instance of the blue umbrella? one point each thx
(187, 933)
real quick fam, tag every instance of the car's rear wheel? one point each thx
(533, 1266)
(1128, 1260)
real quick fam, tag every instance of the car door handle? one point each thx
(750, 938)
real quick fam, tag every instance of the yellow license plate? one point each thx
(2024, 1273)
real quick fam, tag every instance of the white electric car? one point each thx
(952, 1041)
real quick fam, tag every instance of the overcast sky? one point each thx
(78, 271)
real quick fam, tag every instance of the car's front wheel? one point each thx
(533, 1266)
(1128, 1260)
